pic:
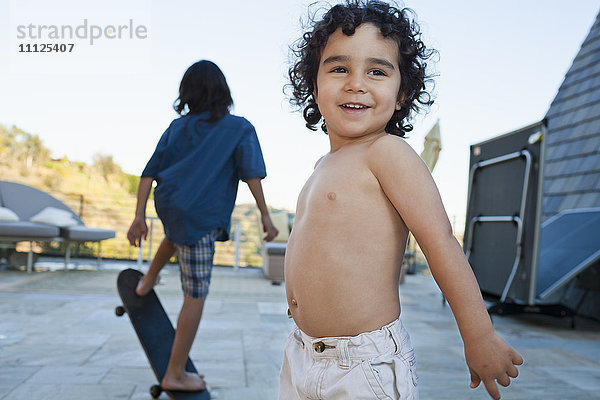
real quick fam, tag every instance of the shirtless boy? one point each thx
(362, 70)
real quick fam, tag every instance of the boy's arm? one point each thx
(268, 227)
(138, 228)
(406, 181)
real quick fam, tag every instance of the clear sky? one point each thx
(500, 66)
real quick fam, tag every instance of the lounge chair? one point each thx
(27, 203)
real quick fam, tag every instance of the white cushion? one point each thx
(55, 217)
(8, 215)
(281, 221)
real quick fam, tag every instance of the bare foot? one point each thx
(145, 285)
(188, 382)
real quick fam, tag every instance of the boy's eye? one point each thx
(339, 70)
(377, 72)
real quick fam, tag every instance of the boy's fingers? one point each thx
(492, 389)
(517, 359)
(135, 238)
(271, 232)
(503, 380)
(475, 380)
(513, 372)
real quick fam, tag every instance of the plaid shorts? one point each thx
(195, 265)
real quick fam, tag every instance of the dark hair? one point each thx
(203, 88)
(393, 23)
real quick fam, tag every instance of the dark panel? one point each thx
(570, 201)
(589, 181)
(557, 185)
(593, 95)
(593, 143)
(494, 244)
(496, 190)
(573, 183)
(552, 203)
(591, 199)
(566, 241)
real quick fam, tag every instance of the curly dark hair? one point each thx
(394, 23)
(203, 88)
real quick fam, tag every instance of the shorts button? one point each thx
(319, 347)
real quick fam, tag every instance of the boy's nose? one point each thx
(355, 84)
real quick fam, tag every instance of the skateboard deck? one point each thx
(154, 330)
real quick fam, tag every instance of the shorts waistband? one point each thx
(391, 338)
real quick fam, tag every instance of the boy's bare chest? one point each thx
(336, 184)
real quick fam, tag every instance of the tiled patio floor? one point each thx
(60, 339)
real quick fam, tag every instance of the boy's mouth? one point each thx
(354, 106)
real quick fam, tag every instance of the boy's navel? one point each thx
(331, 195)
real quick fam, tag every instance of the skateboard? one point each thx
(154, 330)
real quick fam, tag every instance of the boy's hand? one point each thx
(268, 228)
(491, 360)
(137, 231)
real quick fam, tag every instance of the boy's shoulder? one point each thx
(391, 150)
(236, 120)
(389, 144)
(236, 125)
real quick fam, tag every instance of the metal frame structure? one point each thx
(518, 219)
(527, 205)
(538, 217)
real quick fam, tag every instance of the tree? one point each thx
(106, 165)
(16, 145)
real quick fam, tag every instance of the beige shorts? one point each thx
(373, 365)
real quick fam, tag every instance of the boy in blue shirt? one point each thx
(197, 165)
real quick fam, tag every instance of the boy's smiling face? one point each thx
(358, 82)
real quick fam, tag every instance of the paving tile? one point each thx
(272, 307)
(263, 393)
(72, 392)
(68, 374)
(124, 351)
(585, 378)
(229, 375)
(119, 375)
(15, 375)
(543, 357)
(263, 374)
(10, 336)
(45, 354)
(5, 390)
(584, 348)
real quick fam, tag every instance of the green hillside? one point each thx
(104, 196)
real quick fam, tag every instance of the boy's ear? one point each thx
(400, 101)
(315, 93)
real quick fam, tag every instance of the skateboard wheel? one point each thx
(120, 310)
(155, 391)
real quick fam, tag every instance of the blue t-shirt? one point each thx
(197, 166)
